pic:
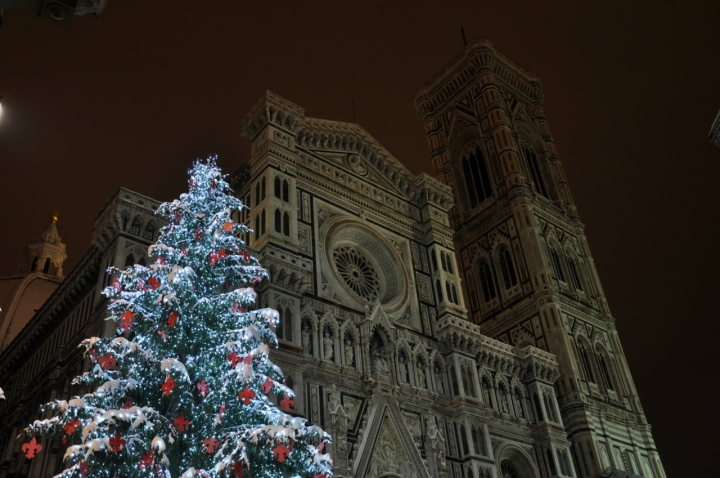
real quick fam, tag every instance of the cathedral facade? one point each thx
(450, 326)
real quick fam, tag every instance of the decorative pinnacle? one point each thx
(54, 216)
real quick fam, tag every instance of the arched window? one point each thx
(433, 255)
(257, 193)
(262, 222)
(585, 363)
(286, 224)
(262, 189)
(46, 267)
(135, 226)
(477, 178)
(278, 221)
(438, 289)
(538, 408)
(129, 260)
(468, 384)
(454, 294)
(557, 266)
(464, 441)
(551, 461)
(507, 268)
(574, 275)
(453, 380)
(34, 265)
(534, 167)
(450, 264)
(257, 227)
(286, 191)
(442, 260)
(478, 441)
(487, 282)
(447, 290)
(549, 407)
(149, 232)
(142, 262)
(289, 382)
(604, 371)
(284, 330)
(277, 187)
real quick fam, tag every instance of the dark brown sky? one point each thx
(130, 99)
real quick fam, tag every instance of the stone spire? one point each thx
(46, 253)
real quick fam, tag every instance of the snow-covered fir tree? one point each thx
(186, 388)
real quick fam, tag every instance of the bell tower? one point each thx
(529, 277)
(46, 253)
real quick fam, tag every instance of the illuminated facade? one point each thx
(447, 327)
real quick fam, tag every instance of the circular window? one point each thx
(357, 272)
(365, 267)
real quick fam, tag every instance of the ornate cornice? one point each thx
(463, 69)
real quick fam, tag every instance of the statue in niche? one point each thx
(402, 369)
(339, 423)
(438, 379)
(306, 335)
(327, 346)
(503, 401)
(349, 353)
(379, 364)
(421, 375)
(437, 444)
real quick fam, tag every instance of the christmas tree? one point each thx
(186, 387)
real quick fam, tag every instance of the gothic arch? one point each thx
(536, 164)
(586, 357)
(506, 267)
(514, 456)
(486, 287)
(478, 184)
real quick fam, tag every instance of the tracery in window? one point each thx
(135, 226)
(534, 167)
(574, 275)
(278, 221)
(604, 371)
(487, 282)
(507, 268)
(277, 187)
(286, 224)
(285, 191)
(585, 363)
(477, 178)
(149, 232)
(557, 266)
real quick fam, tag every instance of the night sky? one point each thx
(131, 98)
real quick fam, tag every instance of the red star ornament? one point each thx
(234, 358)
(267, 386)
(117, 442)
(146, 460)
(228, 226)
(84, 469)
(245, 256)
(281, 452)
(202, 387)
(248, 359)
(172, 319)
(168, 386)
(181, 423)
(154, 283)
(246, 395)
(31, 449)
(210, 444)
(222, 254)
(287, 403)
(71, 426)
(107, 361)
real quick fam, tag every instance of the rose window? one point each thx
(357, 272)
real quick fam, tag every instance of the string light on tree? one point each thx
(186, 388)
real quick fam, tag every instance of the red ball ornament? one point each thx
(128, 404)
(198, 234)
(84, 469)
(237, 309)
(168, 386)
